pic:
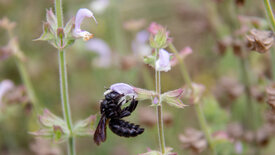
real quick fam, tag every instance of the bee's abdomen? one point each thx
(125, 129)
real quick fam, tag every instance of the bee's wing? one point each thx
(100, 132)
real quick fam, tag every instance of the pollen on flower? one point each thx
(87, 36)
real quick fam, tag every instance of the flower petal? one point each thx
(5, 86)
(124, 88)
(163, 63)
(80, 15)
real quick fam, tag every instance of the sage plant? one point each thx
(60, 37)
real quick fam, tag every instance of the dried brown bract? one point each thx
(222, 45)
(270, 90)
(235, 130)
(239, 2)
(228, 87)
(193, 139)
(17, 95)
(260, 41)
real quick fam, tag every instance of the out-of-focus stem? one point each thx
(149, 83)
(159, 110)
(64, 82)
(198, 108)
(183, 69)
(26, 80)
(268, 9)
(270, 16)
(249, 122)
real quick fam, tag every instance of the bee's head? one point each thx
(112, 95)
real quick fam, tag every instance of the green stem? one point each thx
(198, 108)
(204, 126)
(26, 80)
(64, 82)
(64, 89)
(159, 111)
(269, 13)
(250, 123)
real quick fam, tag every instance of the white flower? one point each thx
(80, 15)
(163, 62)
(5, 86)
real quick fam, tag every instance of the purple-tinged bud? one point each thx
(80, 15)
(60, 32)
(156, 100)
(143, 94)
(173, 97)
(51, 19)
(83, 127)
(163, 63)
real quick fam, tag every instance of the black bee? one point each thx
(111, 112)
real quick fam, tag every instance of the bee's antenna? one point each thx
(106, 88)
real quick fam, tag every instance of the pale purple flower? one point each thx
(102, 49)
(80, 15)
(238, 147)
(99, 6)
(156, 100)
(123, 88)
(140, 46)
(163, 62)
(5, 86)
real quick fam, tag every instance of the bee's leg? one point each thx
(124, 113)
(129, 109)
(132, 106)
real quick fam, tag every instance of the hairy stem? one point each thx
(268, 9)
(159, 111)
(198, 108)
(64, 82)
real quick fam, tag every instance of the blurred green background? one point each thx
(198, 24)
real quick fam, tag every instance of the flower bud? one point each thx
(52, 126)
(173, 97)
(85, 127)
(143, 94)
(60, 32)
(159, 40)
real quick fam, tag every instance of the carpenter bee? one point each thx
(112, 114)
